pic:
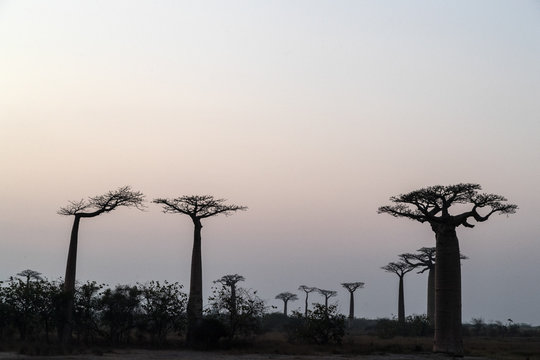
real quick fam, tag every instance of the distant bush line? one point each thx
(154, 314)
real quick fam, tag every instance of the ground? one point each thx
(199, 355)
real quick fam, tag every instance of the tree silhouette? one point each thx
(352, 287)
(327, 295)
(307, 290)
(197, 207)
(231, 281)
(286, 297)
(90, 208)
(30, 275)
(425, 260)
(432, 205)
(400, 269)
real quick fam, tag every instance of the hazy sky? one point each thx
(311, 113)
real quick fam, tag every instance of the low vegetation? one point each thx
(153, 315)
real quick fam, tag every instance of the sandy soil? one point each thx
(194, 355)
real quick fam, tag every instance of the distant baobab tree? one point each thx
(90, 208)
(231, 281)
(197, 207)
(327, 295)
(30, 275)
(352, 287)
(432, 205)
(400, 269)
(424, 259)
(307, 290)
(286, 297)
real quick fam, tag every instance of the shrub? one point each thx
(323, 325)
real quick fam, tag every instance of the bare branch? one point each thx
(97, 205)
(432, 204)
(198, 206)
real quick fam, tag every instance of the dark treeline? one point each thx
(155, 314)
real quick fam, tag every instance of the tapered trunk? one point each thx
(431, 295)
(448, 334)
(69, 284)
(233, 300)
(194, 307)
(285, 307)
(351, 306)
(401, 302)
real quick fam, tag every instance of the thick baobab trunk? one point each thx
(69, 284)
(448, 334)
(351, 306)
(306, 305)
(194, 307)
(431, 295)
(285, 307)
(401, 302)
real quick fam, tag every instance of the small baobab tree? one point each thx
(327, 295)
(30, 275)
(424, 259)
(92, 207)
(286, 297)
(432, 205)
(231, 281)
(197, 207)
(400, 269)
(352, 287)
(306, 290)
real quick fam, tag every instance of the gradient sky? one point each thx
(311, 113)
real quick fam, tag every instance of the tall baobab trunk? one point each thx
(351, 306)
(431, 295)
(448, 325)
(306, 305)
(194, 307)
(285, 307)
(401, 302)
(69, 283)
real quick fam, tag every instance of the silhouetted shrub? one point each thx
(320, 326)
(163, 308)
(245, 320)
(208, 333)
(414, 325)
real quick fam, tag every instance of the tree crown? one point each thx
(99, 204)
(399, 268)
(198, 206)
(352, 286)
(432, 204)
(230, 280)
(307, 289)
(287, 296)
(327, 293)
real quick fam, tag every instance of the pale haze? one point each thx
(311, 113)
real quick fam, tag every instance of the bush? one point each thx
(323, 325)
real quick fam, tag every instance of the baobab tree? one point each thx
(286, 297)
(197, 207)
(400, 269)
(92, 207)
(424, 259)
(352, 287)
(432, 205)
(307, 290)
(30, 275)
(327, 295)
(231, 281)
